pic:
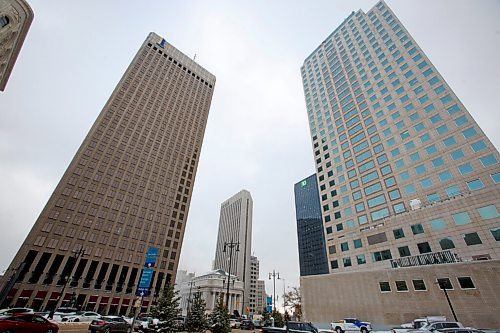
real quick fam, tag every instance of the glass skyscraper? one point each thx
(408, 181)
(310, 231)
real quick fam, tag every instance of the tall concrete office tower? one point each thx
(310, 230)
(235, 225)
(408, 182)
(127, 189)
(15, 20)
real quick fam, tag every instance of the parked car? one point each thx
(459, 330)
(291, 326)
(11, 311)
(438, 325)
(143, 322)
(81, 316)
(351, 325)
(110, 324)
(247, 324)
(234, 323)
(417, 323)
(27, 323)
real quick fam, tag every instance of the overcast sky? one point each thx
(257, 137)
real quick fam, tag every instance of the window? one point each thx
(347, 262)
(457, 154)
(394, 195)
(452, 191)
(357, 243)
(404, 175)
(495, 233)
(361, 259)
(465, 168)
(444, 283)
(472, 239)
(344, 246)
(424, 247)
(465, 282)
(429, 108)
(488, 212)
(438, 162)
(334, 264)
(433, 197)
(445, 176)
(475, 184)
(410, 188)
(420, 169)
(470, 132)
(438, 224)
(419, 285)
(495, 177)
(381, 255)
(417, 229)
(488, 160)
(478, 146)
(461, 218)
(426, 183)
(399, 208)
(384, 287)
(431, 150)
(401, 286)
(446, 243)
(398, 233)
(4, 20)
(404, 251)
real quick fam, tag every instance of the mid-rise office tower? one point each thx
(235, 226)
(408, 182)
(310, 230)
(127, 189)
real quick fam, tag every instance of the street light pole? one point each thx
(284, 296)
(442, 285)
(80, 253)
(274, 275)
(230, 245)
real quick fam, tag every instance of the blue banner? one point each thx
(151, 257)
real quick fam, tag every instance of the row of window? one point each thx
(465, 282)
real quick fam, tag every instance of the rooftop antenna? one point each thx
(194, 58)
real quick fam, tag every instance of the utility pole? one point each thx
(230, 245)
(274, 275)
(80, 253)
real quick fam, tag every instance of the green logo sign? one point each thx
(303, 183)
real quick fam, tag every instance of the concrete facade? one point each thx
(211, 286)
(235, 225)
(128, 188)
(15, 20)
(260, 300)
(254, 276)
(408, 181)
(329, 297)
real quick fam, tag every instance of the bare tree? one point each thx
(294, 301)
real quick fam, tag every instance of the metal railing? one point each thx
(433, 258)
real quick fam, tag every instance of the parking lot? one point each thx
(84, 328)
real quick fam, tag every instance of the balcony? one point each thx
(434, 258)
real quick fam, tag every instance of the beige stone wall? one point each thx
(334, 296)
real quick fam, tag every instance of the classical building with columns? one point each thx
(211, 286)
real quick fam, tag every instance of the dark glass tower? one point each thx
(311, 238)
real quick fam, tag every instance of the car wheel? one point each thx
(107, 330)
(338, 330)
(50, 330)
(76, 320)
(364, 330)
(129, 330)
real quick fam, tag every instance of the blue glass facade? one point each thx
(310, 230)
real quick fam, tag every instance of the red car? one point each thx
(26, 323)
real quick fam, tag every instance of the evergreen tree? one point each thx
(278, 319)
(196, 320)
(167, 309)
(266, 318)
(220, 318)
